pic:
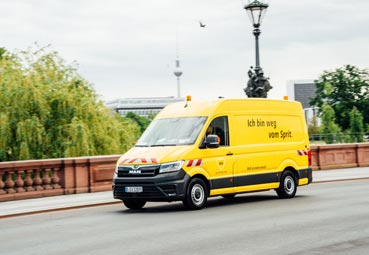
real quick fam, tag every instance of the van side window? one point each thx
(219, 127)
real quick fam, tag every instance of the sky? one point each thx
(127, 48)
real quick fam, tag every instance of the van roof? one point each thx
(226, 106)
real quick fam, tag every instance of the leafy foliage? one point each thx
(313, 127)
(344, 89)
(329, 127)
(47, 110)
(2, 52)
(141, 121)
(357, 126)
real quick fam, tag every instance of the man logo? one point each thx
(133, 171)
(136, 167)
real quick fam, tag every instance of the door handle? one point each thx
(229, 154)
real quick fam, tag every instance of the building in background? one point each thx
(142, 106)
(302, 91)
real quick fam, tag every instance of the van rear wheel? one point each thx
(196, 194)
(288, 185)
(134, 204)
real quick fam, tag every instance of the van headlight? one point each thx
(171, 167)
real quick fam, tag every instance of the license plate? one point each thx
(136, 189)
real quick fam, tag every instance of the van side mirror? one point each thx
(212, 141)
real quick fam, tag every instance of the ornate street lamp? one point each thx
(258, 85)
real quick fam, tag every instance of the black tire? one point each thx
(288, 185)
(134, 204)
(196, 194)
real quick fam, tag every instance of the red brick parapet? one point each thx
(340, 156)
(51, 177)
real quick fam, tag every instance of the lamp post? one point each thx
(258, 85)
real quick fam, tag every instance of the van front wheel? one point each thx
(288, 185)
(196, 194)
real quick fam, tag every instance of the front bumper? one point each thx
(160, 187)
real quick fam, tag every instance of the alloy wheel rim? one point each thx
(197, 194)
(289, 185)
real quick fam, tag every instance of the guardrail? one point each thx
(51, 177)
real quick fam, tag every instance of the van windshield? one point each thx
(172, 132)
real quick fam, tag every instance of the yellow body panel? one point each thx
(303, 181)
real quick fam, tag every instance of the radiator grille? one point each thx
(138, 171)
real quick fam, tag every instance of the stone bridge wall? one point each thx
(52, 177)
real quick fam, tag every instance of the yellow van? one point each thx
(195, 150)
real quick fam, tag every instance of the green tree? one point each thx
(343, 89)
(141, 121)
(356, 126)
(2, 52)
(314, 128)
(47, 110)
(330, 130)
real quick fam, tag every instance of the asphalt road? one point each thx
(324, 218)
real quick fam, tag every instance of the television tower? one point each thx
(178, 72)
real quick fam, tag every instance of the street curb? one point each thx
(341, 180)
(73, 207)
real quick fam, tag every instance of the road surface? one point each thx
(323, 218)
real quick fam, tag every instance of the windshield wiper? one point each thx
(139, 145)
(158, 145)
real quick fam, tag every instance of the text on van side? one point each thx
(262, 123)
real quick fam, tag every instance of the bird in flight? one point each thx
(202, 24)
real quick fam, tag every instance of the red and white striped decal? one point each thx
(194, 162)
(140, 160)
(302, 152)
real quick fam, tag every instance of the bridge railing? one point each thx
(51, 177)
(340, 156)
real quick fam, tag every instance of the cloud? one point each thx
(128, 48)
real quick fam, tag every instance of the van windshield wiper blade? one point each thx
(158, 145)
